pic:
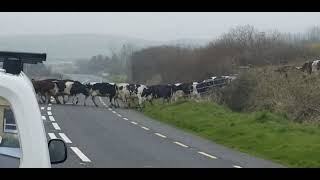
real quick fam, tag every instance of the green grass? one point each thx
(261, 134)
(117, 78)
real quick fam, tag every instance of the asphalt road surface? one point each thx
(112, 138)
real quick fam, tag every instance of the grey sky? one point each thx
(153, 25)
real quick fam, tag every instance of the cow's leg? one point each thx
(73, 99)
(116, 101)
(141, 101)
(43, 98)
(77, 98)
(94, 101)
(85, 100)
(111, 100)
(64, 97)
(57, 99)
(47, 98)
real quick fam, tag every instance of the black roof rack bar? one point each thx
(13, 61)
(28, 58)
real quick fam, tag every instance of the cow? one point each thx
(103, 90)
(311, 67)
(76, 89)
(141, 92)
(162, 91)
(45, 88)
(64, 87)
(180, 90)
(123, 93)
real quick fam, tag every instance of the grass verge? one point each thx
(262, 134)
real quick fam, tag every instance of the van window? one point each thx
(10, 151)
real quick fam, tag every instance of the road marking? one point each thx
(83, 157)
(208, 155)
(114, 112)
(52, 136)
(51, 118)
(145, 128)
(56, 126)
(49, 108)
(119, 115)
(109, 109)
(49, 104)
(158, 134)
(49, 113)
(235, 166)
(42, 108)
(126, 119)
(44, 118)
(65, 138)
(180, 144)
(134, 123)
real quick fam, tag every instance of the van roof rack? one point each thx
(13, 61)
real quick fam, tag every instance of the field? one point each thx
(263, 134)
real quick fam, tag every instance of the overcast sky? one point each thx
(152, 26)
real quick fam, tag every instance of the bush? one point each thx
(291, 93)
(237, 94)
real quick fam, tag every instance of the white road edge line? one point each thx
(44, 118)
(52, 136)
(145, 128)
(119, 115)
(134, 123)
(208, 155)
(49, 104)
(49, 108)
(158, 134)
(109, 109)
(56, 126)
(65, 138)
(51, 118)
(83, 157)
(114, 112)
(49, 113)
(180, 144)
(126, 119)
(235, 166)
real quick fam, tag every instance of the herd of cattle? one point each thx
(127, 93)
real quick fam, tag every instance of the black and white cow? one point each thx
(311, 67)
(128, 93)
(123, 93)
(102, 90)
(45, 89)
(78, 88)
(63, 89)
(180, 90)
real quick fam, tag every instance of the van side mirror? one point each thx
(57, 151)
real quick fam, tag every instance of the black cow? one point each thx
(102, 90)
(78, 88)
(162, 91)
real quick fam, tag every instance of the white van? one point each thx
(24, 145)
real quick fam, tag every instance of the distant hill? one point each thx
(189, 42)
(68, 47)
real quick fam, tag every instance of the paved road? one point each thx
(104, 137)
